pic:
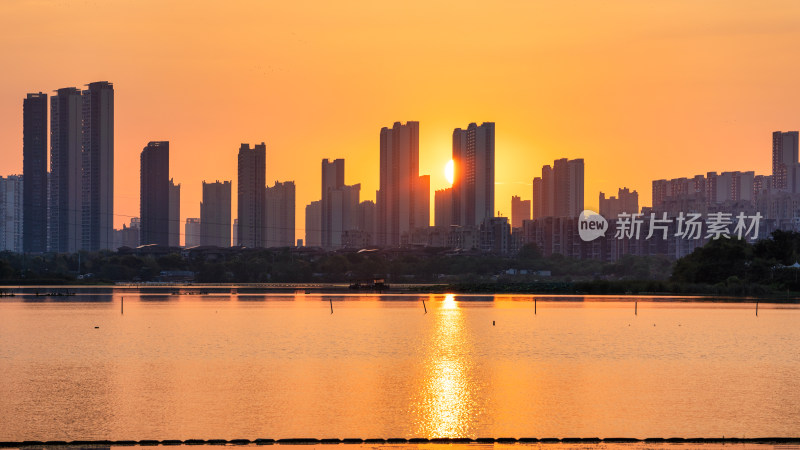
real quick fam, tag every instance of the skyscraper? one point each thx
(332, 180)
(366, 219)
(568, 187)
(520, 210)
(784, 160)
(279, 212)
(443, 207)
(97, 200)
(11, 197)
(339, 207)
(174, 214)
(250, 187)
(65, 210)
(215, 214)
(559, 191)
(192, 232)
(154, 200)
(314, 224)
(34, 170)
(473, 184)
(402, 192)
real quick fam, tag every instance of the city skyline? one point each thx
(618, 85)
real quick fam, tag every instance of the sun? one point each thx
(448, 171)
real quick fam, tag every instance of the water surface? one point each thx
(225, 366)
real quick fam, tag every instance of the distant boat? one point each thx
(377, 284)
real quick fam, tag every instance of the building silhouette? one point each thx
(34, 170)
(339, 207)
(568, 194)
(625, 202)
(559, 191)
(252, 170)
(785, 175)
(366, 221)
(154, 204)
(192, 232)
(97, 199)
(314, 224)
(443, 207)
(279, 214)
(11, 213)
(174, 214)
(543, 188)
(520, 210)
(65, 194)
(215, 214)
(473, 164)
(402, 197)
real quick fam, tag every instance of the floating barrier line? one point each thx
(454, 440)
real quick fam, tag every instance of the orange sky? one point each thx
(640, 90)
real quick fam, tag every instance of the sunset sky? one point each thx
(640, 90)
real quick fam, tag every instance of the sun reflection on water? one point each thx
(445, 407)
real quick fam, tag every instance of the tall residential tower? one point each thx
(97, 199)
(155, 194)
(34, 171)
(252, 173)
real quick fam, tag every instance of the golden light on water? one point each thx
(445, 408)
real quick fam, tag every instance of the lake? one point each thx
(222, 366)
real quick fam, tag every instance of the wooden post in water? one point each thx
(756, 308)
(534, 306)
(122, 306)
(331, 300)
(636, 308)
(423, 305)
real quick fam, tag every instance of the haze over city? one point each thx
(640, 92)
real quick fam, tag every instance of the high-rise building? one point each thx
(784, 160)
(536, 203)
(366, 220)
(279, 211)
(422, 209)
(568, 183)
(34, 170)
(332, 180)
(65, 210)
(97, 199)
(339, 204)
(520, 210)
(559, 191)
(314, 224)
(215, 214)
(250, 187)
(192, 232)
(625, 202)
(154, 200)
(11, 212)
(443, 207)
(174, 214)
(548, 188)
(473, 184)
(402, 191)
